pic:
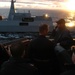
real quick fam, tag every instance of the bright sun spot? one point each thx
(70, 24)
(70, 4)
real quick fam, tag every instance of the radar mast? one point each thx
(12, 10)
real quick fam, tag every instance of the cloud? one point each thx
(44, 0)
(35, 0)
(5, 0)
(43, 4)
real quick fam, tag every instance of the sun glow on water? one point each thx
(70, 24)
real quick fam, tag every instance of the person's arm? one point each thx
(53, 32)
(66, 40)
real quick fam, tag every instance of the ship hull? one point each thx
(15, 26)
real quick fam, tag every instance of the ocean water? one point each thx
(55, 14)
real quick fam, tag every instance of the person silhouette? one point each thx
(17, 64)
(42, 54)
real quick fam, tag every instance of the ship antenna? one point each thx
(12, 10)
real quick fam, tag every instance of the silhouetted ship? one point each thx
(23, 22)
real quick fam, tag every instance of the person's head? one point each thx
(43, 29)
(17, 49)
(61, 23)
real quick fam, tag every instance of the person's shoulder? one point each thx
(32, 66)
(36, 39)
(51, 43)
(29, 66)
(5, 64)
(67, 30)
(32, 69)
(33, 40)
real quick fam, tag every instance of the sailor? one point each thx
(63, 42)
(62, 35)
(42, 54)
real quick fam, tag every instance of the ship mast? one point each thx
(12, 10)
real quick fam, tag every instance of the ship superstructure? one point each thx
(23, 22)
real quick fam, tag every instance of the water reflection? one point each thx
(71, 15)
(70, 24)
(70, 21)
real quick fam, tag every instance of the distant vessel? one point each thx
(23, 22)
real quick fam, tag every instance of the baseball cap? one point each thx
(60, 21)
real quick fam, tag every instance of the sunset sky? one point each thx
(40, 4)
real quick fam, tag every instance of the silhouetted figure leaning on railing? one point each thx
(62, 39)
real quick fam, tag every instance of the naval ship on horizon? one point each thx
(23, 22)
